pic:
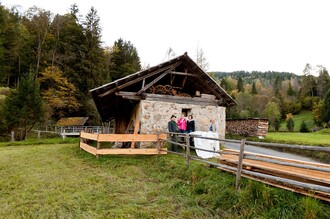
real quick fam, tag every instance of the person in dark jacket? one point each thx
(173, 127)
(191, 127)
(190, 124)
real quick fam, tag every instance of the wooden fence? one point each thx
(87, 138)
(312, 179)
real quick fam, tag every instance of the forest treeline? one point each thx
(63, 56)
(49, 62)
(278, 95)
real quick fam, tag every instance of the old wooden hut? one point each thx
(152, 95)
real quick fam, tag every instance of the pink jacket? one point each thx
(182, 124)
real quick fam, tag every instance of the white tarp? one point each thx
(206, 144)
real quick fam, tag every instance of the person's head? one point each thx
(190, 117)
(173, 117)
(212, 121)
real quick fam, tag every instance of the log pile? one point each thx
(312, 179)
(166, 90)
(247, 127)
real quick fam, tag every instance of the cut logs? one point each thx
(312, 179)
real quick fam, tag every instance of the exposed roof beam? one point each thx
(182, 73)
(157, 79)
(152, 83)
(118, 87)
(167, 98)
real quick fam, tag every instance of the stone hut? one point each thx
(247, 127)
(152, 95)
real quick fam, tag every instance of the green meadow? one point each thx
(62, 181)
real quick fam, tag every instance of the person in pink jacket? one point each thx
(182, 124)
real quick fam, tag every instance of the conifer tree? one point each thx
(240, 85)
(290, 91)
(24, 108)
(326, 108)
(254, 88)
(124, 59)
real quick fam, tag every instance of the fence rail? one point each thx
(86, 138)
(312, 179)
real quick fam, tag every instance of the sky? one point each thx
(250, 35)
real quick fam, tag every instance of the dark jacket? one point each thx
(172, 126)
(191, 125)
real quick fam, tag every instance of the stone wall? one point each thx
(155, 115)
(247, 127)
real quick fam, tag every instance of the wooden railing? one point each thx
(308, 178)
(87, 138)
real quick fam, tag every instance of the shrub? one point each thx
(277, 124)
(303, 127)
(290, 124)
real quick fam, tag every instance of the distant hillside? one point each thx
(250, 76)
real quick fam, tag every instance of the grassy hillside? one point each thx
(321, 137)
(305, 115)
(62, 181)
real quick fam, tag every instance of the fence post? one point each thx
(240, 163)
(158, 143)
(38, 135)
(63, 134)
(12, 136)
(97, 146)
(187, 149)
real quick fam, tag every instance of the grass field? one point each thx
(305, 115)
(311, 138)
(62, 181)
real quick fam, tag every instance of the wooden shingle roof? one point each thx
(180, 73)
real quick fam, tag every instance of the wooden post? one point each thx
(38, 135)
(158, 143)
(81, 140)
(187, 149)
(12, 136)
(136, 131)
(97, 146)
(63, 134)
(240, 163)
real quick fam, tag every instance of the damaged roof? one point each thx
(181, 75)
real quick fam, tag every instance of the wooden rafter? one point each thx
(166, 98)
(118, 87)
(172, 79)
(157, 79)
(152, 83)
(185, 78)
(183, 73)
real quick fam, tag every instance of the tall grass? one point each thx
(62, 181)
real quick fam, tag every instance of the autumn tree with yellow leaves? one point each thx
(59, 94)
